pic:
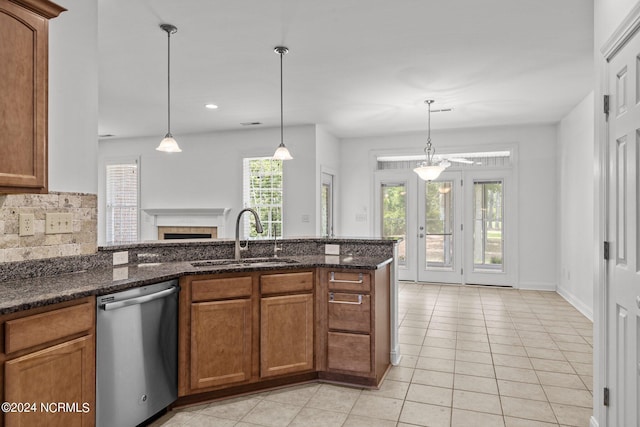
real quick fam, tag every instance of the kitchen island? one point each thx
(242, 327)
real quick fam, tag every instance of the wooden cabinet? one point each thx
(24, 28)
(48, 360)
(240, 329)
(286, 324)
(356, 326)
(216, 332)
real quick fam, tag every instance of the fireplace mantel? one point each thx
(190, 217)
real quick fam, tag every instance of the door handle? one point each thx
(421, 235)
(139, 300)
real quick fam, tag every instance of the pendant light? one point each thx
(429, 170)
(169, 144)
(281, 152)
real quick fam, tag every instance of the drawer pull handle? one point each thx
(333, 279)
(333, 301)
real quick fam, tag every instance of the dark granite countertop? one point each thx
(22, 294)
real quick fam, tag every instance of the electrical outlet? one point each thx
(26, 224)
(120, 257)
(332, 249)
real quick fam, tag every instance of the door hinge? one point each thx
(606, 105)
(606, 251)
(461, 271)
(461, 182)
(461, 227)
(606, 396)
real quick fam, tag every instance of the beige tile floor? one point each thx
(472, 356)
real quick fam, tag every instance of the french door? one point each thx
(454, 229)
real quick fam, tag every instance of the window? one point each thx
(263, 192)
(326, 205)
(122, 201)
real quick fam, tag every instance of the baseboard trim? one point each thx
(576, 302)
(537, 286)
(593, 422)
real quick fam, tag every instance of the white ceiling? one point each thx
(357, 67)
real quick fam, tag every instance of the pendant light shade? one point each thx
(428, 170)
(168, 143)
(282, 153)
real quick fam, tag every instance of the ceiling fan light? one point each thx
(169, 145)
(429, 172)
(282, 153)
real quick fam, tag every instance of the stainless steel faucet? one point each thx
(258, 230)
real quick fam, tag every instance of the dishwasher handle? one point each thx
(140, 300)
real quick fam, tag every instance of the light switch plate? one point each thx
(332, 249)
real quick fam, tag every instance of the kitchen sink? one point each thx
(247, 262)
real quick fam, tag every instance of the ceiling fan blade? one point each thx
(460, 160)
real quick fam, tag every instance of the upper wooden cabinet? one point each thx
(24, 54)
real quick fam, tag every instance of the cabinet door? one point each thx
(286, 334)
(23, 104)
(60, 375)
(220, 343)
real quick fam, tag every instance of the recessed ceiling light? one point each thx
(211, 106)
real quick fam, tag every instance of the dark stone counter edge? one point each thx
(179, 269)
(209, 242)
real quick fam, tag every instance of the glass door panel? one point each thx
(439, 224)
(394, 216)
(438, 237)
(488, 239)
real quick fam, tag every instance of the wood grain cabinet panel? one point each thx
(349, 352)
(24, 28)
(62, 373)
(220, 343)
(286, 334)
(350, 312)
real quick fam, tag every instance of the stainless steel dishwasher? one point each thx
(136, 354)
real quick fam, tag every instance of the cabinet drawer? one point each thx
(349, 281)
(349, 352)
(350, 312)
(229, 287)
(46, 327)
(286, 282)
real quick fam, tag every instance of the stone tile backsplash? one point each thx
(83, 240)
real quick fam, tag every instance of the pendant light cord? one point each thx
(169, 82)
(281, 102)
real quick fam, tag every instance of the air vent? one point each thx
(251, 123)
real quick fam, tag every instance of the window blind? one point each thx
(262, 191)
(122, 202)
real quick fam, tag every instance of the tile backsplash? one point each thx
(82, 241)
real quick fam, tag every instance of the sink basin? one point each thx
(247, 262)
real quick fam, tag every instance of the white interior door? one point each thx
(439, 231)
(623, 278)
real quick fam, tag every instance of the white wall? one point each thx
(328, 161)
(73, 98)
(575, 206)
(208, 174)
(537, 187)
